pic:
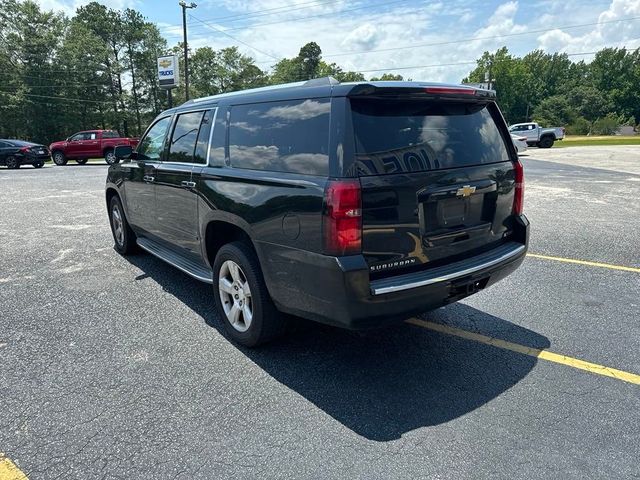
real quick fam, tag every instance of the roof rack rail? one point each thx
(321, 81)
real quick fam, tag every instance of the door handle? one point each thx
(188, 184)
(148, 178)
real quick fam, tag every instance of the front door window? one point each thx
(152, 144)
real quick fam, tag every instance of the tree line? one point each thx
(97, 69)
(594, 97)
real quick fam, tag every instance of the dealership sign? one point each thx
(168, 71)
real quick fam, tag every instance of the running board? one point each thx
(191, 268)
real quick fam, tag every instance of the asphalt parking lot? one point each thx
(117, 368)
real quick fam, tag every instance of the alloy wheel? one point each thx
(11, 162)
(58, 158)
(235, 295)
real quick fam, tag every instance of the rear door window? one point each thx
(290, 136)
(185, 134)
(396, 136)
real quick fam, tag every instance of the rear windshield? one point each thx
(397, 136)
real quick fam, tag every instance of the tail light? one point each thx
(518, 199)
(342, 220)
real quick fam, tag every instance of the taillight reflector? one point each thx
(518, 199)
(450, 91)
(343, 217)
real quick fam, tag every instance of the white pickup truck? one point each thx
(536, 135)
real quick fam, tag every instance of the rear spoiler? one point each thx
(456, 92)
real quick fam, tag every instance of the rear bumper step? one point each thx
(453, 271)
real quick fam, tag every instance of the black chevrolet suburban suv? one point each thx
(353, 204)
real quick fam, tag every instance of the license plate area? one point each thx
(451, 212)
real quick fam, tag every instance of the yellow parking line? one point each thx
(9, 471)
(584, 262)
(532, 352)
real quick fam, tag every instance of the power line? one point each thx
(259, 13)
(250, 27)
(82, 100)
(466, 40)
(419, 45)
(233, 38)
(67, 85)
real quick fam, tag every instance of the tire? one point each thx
(123, 237)
(39, 164)
(59, 158)
(82, 161)
(546, 142)
(12, 162)
(265, 322)
(110, 157)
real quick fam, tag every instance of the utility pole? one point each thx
(184, 6)
(490, 73)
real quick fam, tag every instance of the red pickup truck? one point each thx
(82, 146)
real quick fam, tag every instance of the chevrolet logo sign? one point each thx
(466, 191)
(165, 63)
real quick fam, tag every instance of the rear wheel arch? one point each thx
(219, 233)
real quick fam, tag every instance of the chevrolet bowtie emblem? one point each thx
(466, 191)
(165, 63)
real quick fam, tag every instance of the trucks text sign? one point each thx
(168, 71)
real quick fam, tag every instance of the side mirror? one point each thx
(123, 152)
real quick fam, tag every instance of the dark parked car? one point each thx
(14, 153)
(355, 204)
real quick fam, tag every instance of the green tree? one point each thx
(333, 70)
(589, 102)
(222, 71)
(555, 111)
(305, 66)
(387, 77)
(28, 40)
(616, 71)
(107, 25)
(511, 80)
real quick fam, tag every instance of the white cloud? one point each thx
(365, 37)
(610, 32)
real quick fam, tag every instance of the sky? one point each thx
(423, 40)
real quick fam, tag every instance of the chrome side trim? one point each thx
(157, 254)
(450, 276)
